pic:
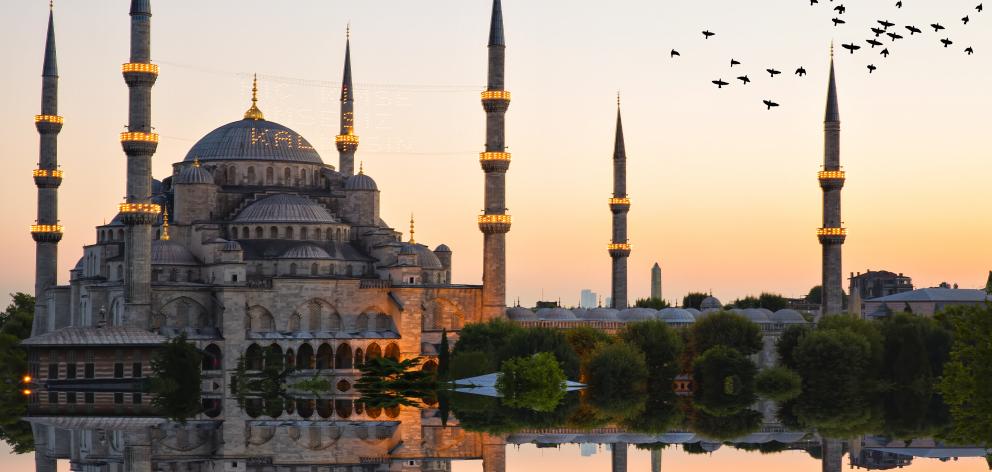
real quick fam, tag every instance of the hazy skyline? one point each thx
(724, 193)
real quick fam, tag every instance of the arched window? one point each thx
(251, 175)
(269, 176)
(273, 357)
(362, 322)
(253, 358)
(244, 233)
(232, 178)
(303, 177)
(350, 271)
(334, 322)
(305, 408)
(304, 357)
(120, 235)
(373, 352)
(342, 360)
(314, 268)
(273, 232)
(292, 269)
(325, 357)
(393, 352)
(259, 232)
(383, 322)
(289, 232)
(287, 177)
(325, 408)
(359, 358)
(330, 234)
(295, 320)
(173, 274)
(304, 233)
(212, 357)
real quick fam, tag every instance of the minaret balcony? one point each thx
(137, 142)
(494, 161)
(831, 235)
(831, 179)
(494, 224)
(139, 73)
(46, 233)
(618, 205)
(346, 142)
(619, 249)
(495, 100)
(139, 213)
(48, 124)
(45, 178)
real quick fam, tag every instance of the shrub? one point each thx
(535, 382)
(786, 345)
(616, 371)
(527, 342)
(724, 381)
(726, 329)
(778, 384)
(660, 344)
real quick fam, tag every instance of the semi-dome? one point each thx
(555, 314)
(710, 303)
(231, 246)
(442, 248)
(253, 140)
(285, 208)
(519, 313)
(194, 174)
(606, 314)
(171, 253)
(306, 251)
(788, 316)
(360, 181)
(637, 314)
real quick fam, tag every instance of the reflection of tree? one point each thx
(176, 379)
(724, 381)
(489, 415)
(727, 427)
(966, 384)
(15, 326)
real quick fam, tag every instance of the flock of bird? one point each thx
(883, 28)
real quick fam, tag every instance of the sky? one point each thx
(724, 192)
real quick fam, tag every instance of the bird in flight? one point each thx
(675, 53)
(885, 52)
(886, 24)
(878, 31)
(979, 8)
(874, 43)
(801, 72)
(947, 42)
(966, 20)
(913, 30)
(899, 4)
(838, 21)
(719, 83)
(744, 79)
(871, 68)
(773, 72)
(813, 2)
(769, 104)
(936, 27)
(734, 62)
(851, 47)
(969, 50)
(840, 9)
(707, 34)
(894, 36)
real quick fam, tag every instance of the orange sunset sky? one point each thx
(724, 193)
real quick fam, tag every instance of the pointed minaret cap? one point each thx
(619, 150)
(254, 113)
(412, 231)
(833, 110)
(496, 26)
(50, 67)
(346, 86)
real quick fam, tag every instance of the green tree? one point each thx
(526, 342)
(15, 326)
(16, 320)
(787, 343)
(815, 295)
(535, 382)
(488, 338)
(778, 384)
(615, 371)
(586, 339)
(966, 384)
(652, 303)
(470, 364)
(444, 356)
(724, 381)
(176, 379)
(661, 346)
(726, 329)
(694, 299)
(870, 330)
(724, 428)
(770, 301)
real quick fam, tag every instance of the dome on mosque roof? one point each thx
(710, 302)
(519, 313)
(709, 446)
(284, 208)
(677, 315)
(408, 249)
(580, 312)
(360, 181)
(306, 251)
(194, 174)
(601, 314)
(253, 140)
(442, 248)
(692, 311)
(637, 314)
(231, 246)
(756, 315)
(80, 264)
(788, 316)
(557, 314)
(171, 253)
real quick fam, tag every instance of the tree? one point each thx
(661, 346)
(470, 364)
(16, 320)
(871, 331)
(488, 338)
(770, 301)
(176, 379)
(15, 326)
(652, 303)
(535, 382)
(787, 343)
(726, 329)
(965, 384)
(585, 340)
(615, 371)
(725, 428)
(778, 384)
(815, 295)
(526, 342)
(724, 381)
(694, 299)
(444, 356)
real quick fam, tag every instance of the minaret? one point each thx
(139, 143)
(618, 457)
(347, 142)
(656, 281)
(494, 222)
(619, 248)
(47, 232)
(832, 234)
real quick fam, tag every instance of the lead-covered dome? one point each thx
(253, 140)
(360, 181)
(285, 208)
(306, 251)
(171, 253)
(194, 174)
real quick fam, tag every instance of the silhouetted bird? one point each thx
(966, 20)
(979, 8)
(885, 24)
(878, 31)
(885, 52)
(969, 50)
(899, 4)
(773, 72)
(707, 34)
(801, 72)
(947, 42)
(769, 104)
(838, 21)
(894, 36)
(913, 30)
(851, 47)
(871, 68)
(936, 27)
(840, 9)
(813, 2)
(719, 83)
(744, 79)
(734, 62)
(675, 53)
(874, 43)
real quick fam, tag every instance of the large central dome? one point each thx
(253, 140)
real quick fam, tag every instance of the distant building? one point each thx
(656, 281)
(587, 298)
(925, 301)
(875, 284)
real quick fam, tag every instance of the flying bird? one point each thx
(966, 20)
(936, 27)
(801, 72)
(878, 31)
(719, 83)
(913, 30)
(874, 43)
(773, 72)
(838, 21)
(899, 4)
(734, 62)
(947, 42)
(979, 8)
(840, 9)
(871, 68)
(969, 50)
(675, 53)
(744, 79)
(894, 36)
(769, 104)
(813, 2)
(885, 52)
(851, 47)
(885, 24)
(707, 34)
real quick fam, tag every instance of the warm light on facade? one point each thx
(619, 201)
(46, 228)
(495, 95)
(49, 119)
(26, 392)
(831, 232)
(489, 219)
(139, 208)
(831, 175)
(346, 139)
(494, 156)
(139, 67)
(131, 136)
(47, 173)
(618, 246)
(26, 379)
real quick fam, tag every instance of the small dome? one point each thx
(171, 253)
(231, 246)
(756, 315)
(710, 303)
(306, 251)
(284, 208)
(555, 314)
(692, 311)
(519, 313)
(606, 314)
(637, 314)
(360, 181)
(408, 249)
(709, 446)
(80, 264)
(426, 258)
(442, 248)
(580, 313)
(194, 174)
(677, 315)
(787, 316)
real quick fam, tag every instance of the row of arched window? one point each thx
(286, 176)
(302, 233)
(342, 409)
(317, 318)
(325, 358)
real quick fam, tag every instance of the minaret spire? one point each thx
(254, 113)
(47, 232)
(619, 247)
(412, 231)
(832, 234)
(495, 222)
(347, 141)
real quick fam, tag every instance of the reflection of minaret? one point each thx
(47, 177)
(493, 453)
(833, 455)
(832, 234)
(139, 143)
(494, 222)
(347, 142)
(656, 457)
(42, 462)
(656, 281)
(618, 457)
(619, 247)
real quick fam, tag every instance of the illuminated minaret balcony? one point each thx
(831, 179)
(831, 235)
(618, 205)
(139, 73)
(494, 161)
(137, 142)
(139, 213)
(48, 124)
(495, 100)
(619, 249)
(46, 233)
(494, 224)
(346, 142)
(45, 178)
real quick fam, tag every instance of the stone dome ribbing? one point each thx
(285, 208)
(253, 140)
(360, 181)
(306, 251)
(194, 175)
(171, 253)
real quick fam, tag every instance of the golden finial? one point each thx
(361, 167)
(51, 4)
(831, 49)
(165, 225)
(618, 99)
(196, 162)
(347, 32)
(254, 113)
(412, 231)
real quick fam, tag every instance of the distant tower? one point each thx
(618, 457)
(619, 248)
(347, 142)
(656, 281)
(494, 222)
(139, 143)
(832, 234)
(47, 177)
